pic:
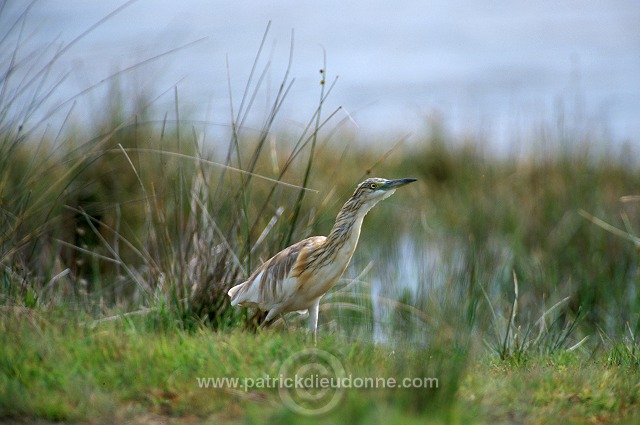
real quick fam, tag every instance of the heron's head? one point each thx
(373, 190)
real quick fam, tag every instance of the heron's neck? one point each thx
(339, 246)
(346, 230)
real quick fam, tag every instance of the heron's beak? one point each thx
(394, 184)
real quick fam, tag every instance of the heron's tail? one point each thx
(233, 293)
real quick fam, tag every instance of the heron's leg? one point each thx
(257, 319)
(313, 320)
(268, 321)
(263, 325)
(286, 325)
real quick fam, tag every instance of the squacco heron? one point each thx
(297, 277)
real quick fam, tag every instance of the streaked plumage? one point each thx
(297, 277)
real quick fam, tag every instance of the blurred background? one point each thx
(494, 71)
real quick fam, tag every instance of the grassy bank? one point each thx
(133, 371)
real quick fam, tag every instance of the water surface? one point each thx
(493, 70)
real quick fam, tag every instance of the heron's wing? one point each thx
(275, 280)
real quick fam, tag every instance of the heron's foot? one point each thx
(312, 335)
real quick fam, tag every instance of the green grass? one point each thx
(62, 369)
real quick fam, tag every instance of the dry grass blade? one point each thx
(542, 321)
(221, 235)
(216, 164)
(88, 252)
(610, 228)
(267, 229)
(142, 311)
(512, 317)
(349, 283)
(630, 198)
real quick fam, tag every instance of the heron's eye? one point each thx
(373, 186)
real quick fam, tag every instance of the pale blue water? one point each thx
(493, 70)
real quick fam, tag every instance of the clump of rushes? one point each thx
(108, 230)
